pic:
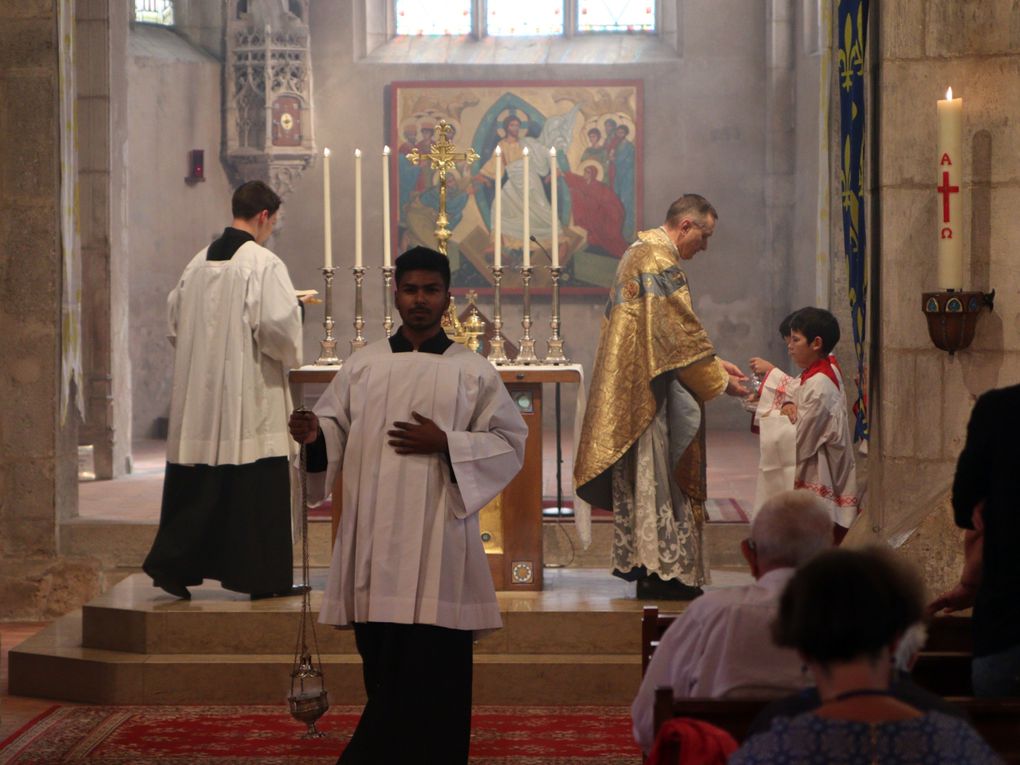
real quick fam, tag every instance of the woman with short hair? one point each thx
(845, 612)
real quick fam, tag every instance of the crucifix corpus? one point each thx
(443, 156)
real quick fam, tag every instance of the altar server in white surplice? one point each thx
(425, 434)
(825, 459)
(235, 324)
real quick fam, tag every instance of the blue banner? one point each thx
(852, 32)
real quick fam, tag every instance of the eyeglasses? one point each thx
(750, 544)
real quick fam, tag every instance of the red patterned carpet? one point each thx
(262, 735)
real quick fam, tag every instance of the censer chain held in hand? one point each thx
(308, 698)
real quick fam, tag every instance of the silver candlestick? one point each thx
(555, 353)
(497, 354)
(327, 356)
(359, 320)
(387, 274)
(526, 355)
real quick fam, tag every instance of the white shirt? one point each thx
(721, 646)
(408, 549)
(236, 326)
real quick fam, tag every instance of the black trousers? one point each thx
(225, 522)
(418, 681)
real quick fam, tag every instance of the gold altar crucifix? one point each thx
(443, 156)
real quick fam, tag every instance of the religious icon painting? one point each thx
(595, 127)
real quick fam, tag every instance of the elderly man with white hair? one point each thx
(720, 646)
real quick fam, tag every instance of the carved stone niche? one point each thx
(267, 76)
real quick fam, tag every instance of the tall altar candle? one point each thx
(527, 214)
(327, 220)
(555, 214)
(357, 208)
(386, 261)
(497, 213)
(950, 208)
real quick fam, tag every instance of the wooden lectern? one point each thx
(511, 525)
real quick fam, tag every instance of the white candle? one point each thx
(497, 212)
(327, 221)
(950, 203)
(357, 208)
(527, 214)
(386, 206)
(555, 215)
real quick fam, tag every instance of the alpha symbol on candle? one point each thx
(945, 160)
(945, 190)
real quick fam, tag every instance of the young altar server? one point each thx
(235, 324)
(818, 408)
(425, 434)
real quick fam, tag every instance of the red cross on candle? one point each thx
(945, 190)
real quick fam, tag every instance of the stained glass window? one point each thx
(517, 18)
(449, 17)
(615, 15)
(155, 11)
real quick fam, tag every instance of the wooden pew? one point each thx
(997, 720)
(947, 635)
(942, 667)
(732, 715)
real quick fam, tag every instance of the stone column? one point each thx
(102, 40)
(780, 150)
(37, 453)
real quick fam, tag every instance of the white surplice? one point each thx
(825, 459)
(236, 327)
(408, 549)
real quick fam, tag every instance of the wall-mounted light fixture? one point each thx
(196, 166)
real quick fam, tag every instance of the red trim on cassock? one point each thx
(822, 366)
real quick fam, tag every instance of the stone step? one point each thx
(135, 617)
(54, 664)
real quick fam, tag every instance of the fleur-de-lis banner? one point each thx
(852, 33)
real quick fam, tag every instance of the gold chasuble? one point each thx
(641, 450)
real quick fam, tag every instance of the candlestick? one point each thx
(497, 354)
(357, 208)
(386, 206)
(327, 355)
(555, 354)
(526, 354)
(555, 213)
(327, 220)
(497, 238)
(387, 273)
(950, 173)
(527, 214)
(359, 321)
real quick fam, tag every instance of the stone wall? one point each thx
(173, 106)
(37, 451)
(923, 396)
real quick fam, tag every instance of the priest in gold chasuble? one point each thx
(642, 446)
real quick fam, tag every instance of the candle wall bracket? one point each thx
(952, 316)
(327, 355)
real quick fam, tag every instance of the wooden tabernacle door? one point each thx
(511, 525)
